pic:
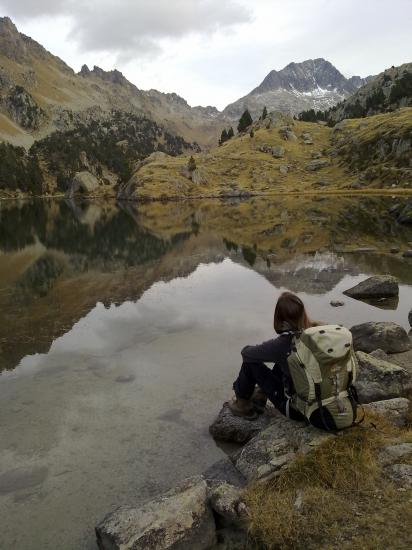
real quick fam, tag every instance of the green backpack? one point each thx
(323, 367)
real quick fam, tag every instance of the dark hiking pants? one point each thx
(270, 381)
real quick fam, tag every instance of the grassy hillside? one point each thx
(357, 154)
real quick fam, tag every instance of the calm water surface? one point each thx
(120, 331)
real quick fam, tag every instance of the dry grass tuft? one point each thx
(326, 496)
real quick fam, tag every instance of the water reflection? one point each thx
(59, 258)
(121, 329)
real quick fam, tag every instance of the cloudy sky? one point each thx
(215, 51)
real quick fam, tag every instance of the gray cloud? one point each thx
(130, 27)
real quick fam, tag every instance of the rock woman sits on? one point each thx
(314, 369)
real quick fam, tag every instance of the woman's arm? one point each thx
(271, 351)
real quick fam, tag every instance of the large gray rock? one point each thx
(395, 410)
(278, 152)
(389, 337)
(226, 500)
(380, 286)
(378, 379)
(178, 519)
(83, 182)
(228, 427)
(317, 164)
(272, 450)
(224, 470)
(401, 474)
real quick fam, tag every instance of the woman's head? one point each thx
(290, 313)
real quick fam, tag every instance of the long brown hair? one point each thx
(290, 314)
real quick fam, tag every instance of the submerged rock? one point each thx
(380, 286)
(378, 379)
(389, 337)
(228, 427)
(178, 519)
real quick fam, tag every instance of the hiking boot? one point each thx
(259, 400)
(243, 407)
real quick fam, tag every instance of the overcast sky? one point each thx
(211, 52)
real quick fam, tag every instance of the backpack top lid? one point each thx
(327, 343)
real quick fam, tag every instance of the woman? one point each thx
(290, 317)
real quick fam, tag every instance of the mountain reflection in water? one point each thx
(121, 329)
(59, 258)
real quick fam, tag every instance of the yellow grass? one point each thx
(335, 496)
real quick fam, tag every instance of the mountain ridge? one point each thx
(313, 83)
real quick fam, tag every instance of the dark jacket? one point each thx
(275, 351)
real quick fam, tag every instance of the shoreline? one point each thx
(245, 195)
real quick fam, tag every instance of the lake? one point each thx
(120, 334)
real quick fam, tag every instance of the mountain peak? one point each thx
(7, 26)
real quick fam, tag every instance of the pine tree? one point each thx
(191, 165)
(264, 113)
(252, 133)
(230, 133)
(224, 137)
(244, 122)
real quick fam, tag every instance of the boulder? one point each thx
(228, 427)
(380, 286)
(316, 154)
(278, 152)
(378, 379)
(224, 470)
(395, 451)
(395, 410)
(337, 303)
(226, 501)
(401, 474)
(410, 318)
(178, 519)
(83, 182)
(316, 164)
(290, 135)
(283, 169)
(274, 448)
(388, 336)
(407, 254)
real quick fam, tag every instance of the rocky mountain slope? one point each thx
(284, 156)
(39, 94)
(390, 90)
(312, 84)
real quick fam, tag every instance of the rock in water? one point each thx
(179, 519)
(380, 286)
(387, 336)
(378, 379)
(228, 427)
